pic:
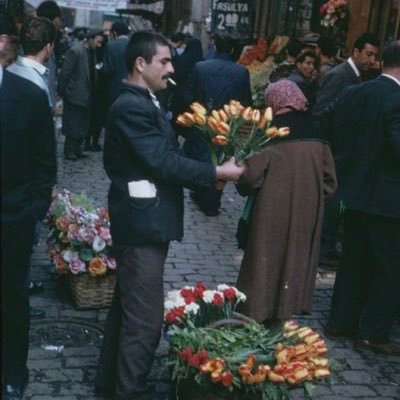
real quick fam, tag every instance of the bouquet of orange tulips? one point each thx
(221, 129)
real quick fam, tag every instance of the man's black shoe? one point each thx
(35, 287)
(14, 392)
(105, 391)
(70, 156)
(96, 148)
(36, 313)
(211, 213)
(332, 331)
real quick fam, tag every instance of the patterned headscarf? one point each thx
(284, 96)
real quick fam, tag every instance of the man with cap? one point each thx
(114, 66)
(76, 84)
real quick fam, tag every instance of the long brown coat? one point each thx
(279, 267)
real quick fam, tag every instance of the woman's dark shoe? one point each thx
(388, 348)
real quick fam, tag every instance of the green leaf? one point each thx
(86, 254)
(309, 390)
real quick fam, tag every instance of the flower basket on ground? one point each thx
(79, 244)
(236, 358)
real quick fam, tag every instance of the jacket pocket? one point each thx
(139, 203)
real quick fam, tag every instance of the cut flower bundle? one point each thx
(222, 129)
(242, 362)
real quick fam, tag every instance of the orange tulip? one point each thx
(247, 114)
(198, 108)
(284, 131)
(186, 120)
(216, 376)
(259, 378)
(223, 128)
(276, 378)
(251, 360)
(215, 114)
(256, 116)
(321, 373)
(272, 132)
(263, 369)
(200, 119)
(223, 116)
(244, 370)
(220, 140)
(227, 378)
(311, 338)
(289, 325)
(213, 124)
(268, 114)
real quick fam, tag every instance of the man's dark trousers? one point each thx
(134, 323)
(366, 293)
(16, 247)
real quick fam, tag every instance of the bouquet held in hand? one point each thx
(222, 130)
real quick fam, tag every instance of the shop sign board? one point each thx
(95, 5)
(232, 16)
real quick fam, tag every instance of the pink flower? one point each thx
(330, 9)
(77, 266)
(110, 262)
(104, 233)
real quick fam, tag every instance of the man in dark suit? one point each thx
(76, 84)
(146, 212)
(366, 145)
(214, 83)
(28, 171)
(114, 66)
(348, 73)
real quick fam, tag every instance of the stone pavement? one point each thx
(65, 346)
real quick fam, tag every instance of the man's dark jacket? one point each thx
(332, 84)
(28, 150)
(219, 80)
(114, 66)
(141, 145)
(366, 146)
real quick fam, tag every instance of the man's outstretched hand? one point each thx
(229, 171)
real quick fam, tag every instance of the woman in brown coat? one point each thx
(293, 178)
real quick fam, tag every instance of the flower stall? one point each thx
(259, 60)
(79, 244)
(334, 20)
(216, 353)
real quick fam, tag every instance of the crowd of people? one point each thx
(344, 146)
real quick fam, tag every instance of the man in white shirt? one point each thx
(37, 41)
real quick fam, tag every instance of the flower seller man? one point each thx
(146, 212)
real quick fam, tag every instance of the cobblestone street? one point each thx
(64, 347)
